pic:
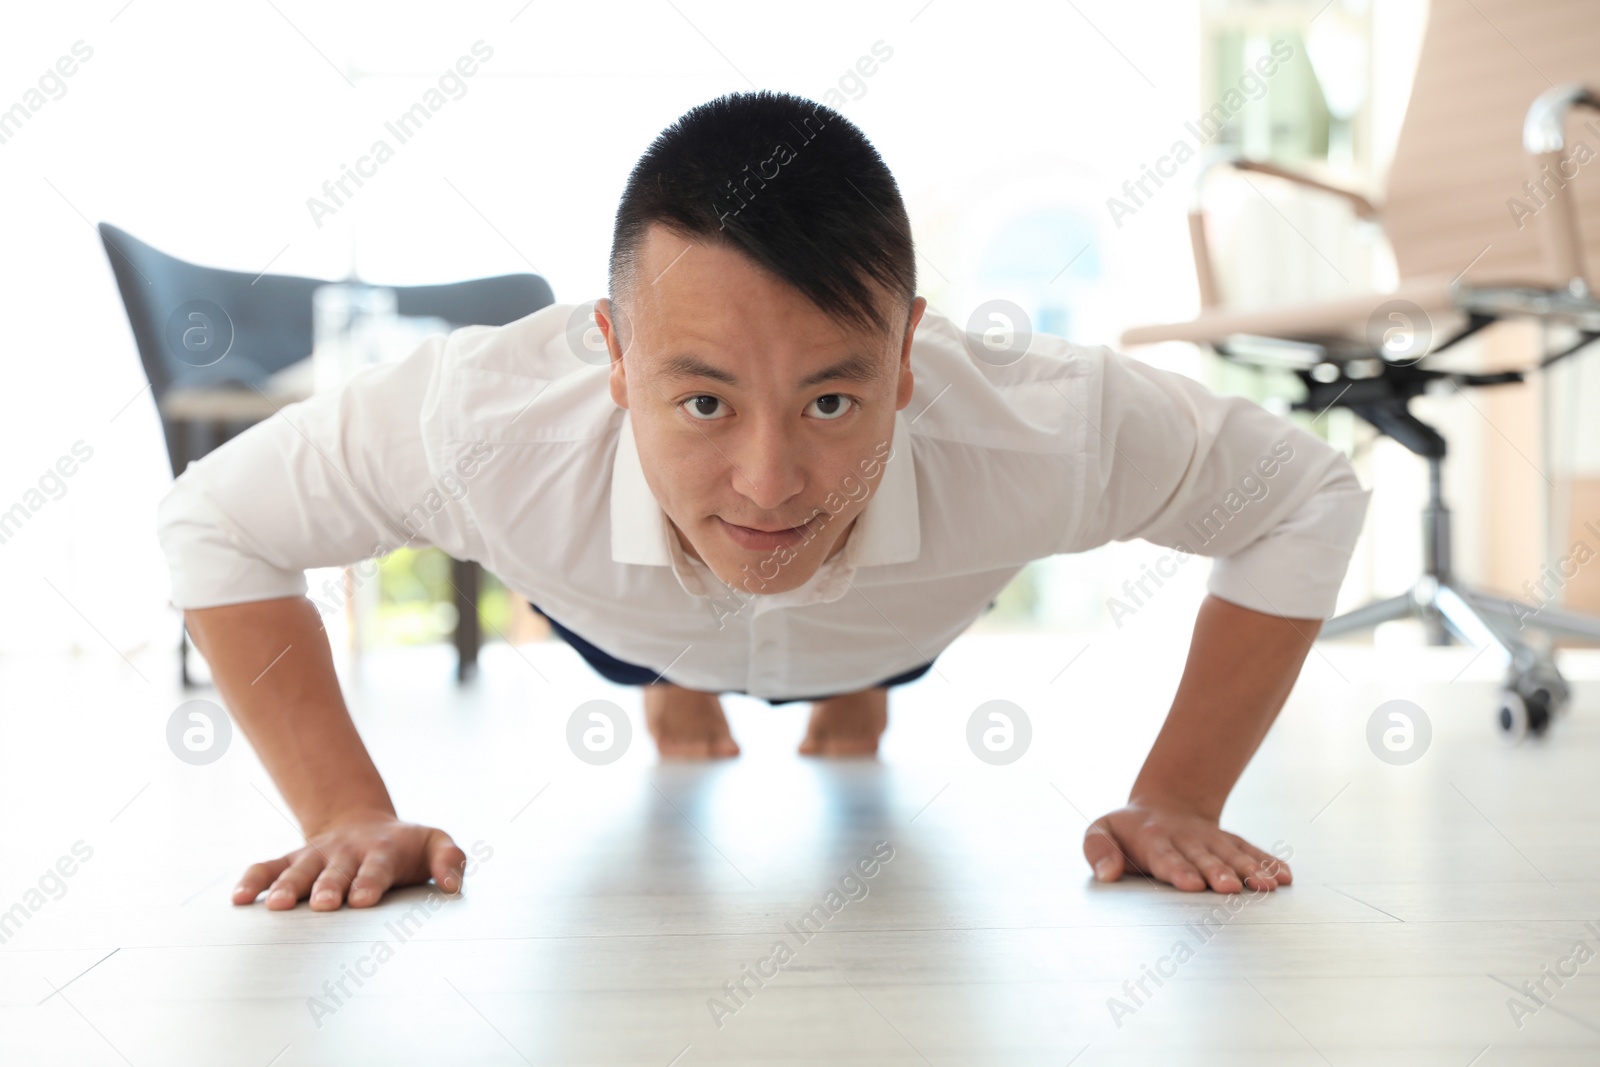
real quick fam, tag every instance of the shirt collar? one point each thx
(888, 529)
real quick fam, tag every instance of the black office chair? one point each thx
(270, 319)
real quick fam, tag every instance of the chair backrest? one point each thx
(268, 316)
(1458, 173)
(271, 314)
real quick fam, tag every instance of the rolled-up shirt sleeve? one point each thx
(341, 477)
(1174, 464)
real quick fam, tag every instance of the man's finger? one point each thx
(1247, 867)
(1267, 863)
(1168, 864)
(295, 882)
(257, 877)
(445, 861)
(327, 892)
(1100, 848)
(1218, 875)
(373, 879)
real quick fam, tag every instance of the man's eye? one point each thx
(703, 408)
(831, 406)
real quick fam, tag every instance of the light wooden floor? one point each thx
(619, 899)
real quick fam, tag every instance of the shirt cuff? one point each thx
(1296, 570)
(207, 568)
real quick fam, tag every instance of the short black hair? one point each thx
(789, 182)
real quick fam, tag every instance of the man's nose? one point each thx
(768, 467)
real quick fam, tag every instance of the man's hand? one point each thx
(1241, 666)
(274, 668)
(361, 856)
(1181, 847)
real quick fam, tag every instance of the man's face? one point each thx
(763, 424)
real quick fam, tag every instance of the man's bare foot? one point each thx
(847, 725)
(687, 723)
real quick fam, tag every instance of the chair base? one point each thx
(1534, 691)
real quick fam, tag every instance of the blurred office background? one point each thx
(205, 128)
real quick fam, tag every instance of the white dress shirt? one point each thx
(499, 444)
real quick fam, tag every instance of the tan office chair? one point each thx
(1481, 209)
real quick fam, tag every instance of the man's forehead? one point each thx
(713, 289)
(857, 367)
(702, 309)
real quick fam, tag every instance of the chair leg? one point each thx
(1459, 609)
(1556, 621)
(1534, 692)
(467, 578)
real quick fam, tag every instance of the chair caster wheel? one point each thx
(1521, 716)
(1532, 698)
(1512, 716)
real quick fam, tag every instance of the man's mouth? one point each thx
(765, 540)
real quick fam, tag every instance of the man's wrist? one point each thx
(1164, 798)
(353, 811)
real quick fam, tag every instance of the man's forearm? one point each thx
(272, 664)
(1242, 665)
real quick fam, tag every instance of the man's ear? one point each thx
(606, 321)
(906, 381)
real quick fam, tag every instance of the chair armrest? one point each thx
(1204, 268)
(1544, 139)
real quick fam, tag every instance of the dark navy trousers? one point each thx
(624, 673)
